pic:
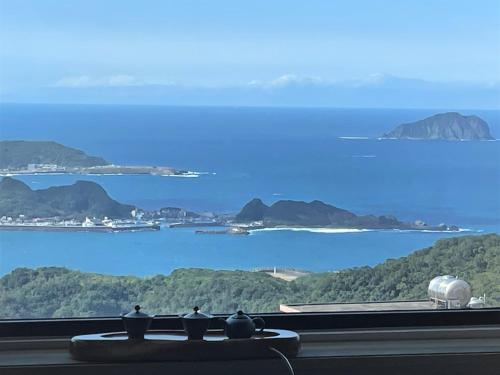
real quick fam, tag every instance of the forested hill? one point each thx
(81, 199)
(59, 292)
(319, 214)
(18, 154)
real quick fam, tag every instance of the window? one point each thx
(234, 159)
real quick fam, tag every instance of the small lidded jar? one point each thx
(136, 323)
(196, 323)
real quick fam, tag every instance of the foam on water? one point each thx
(313, 230)
(354, 138)
(354, 230)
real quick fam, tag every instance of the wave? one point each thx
(181, 175)
(191, 174)
(460, 230)
(354, 138)
(312, 230)
(435, 140)
(187, 175)
(354, 230)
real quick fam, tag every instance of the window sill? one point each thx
(461, 347)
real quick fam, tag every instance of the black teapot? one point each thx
(196, 323)
(241, 326)
(136, 323)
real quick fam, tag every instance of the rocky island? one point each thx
(450, 126)
(47, 157)
(316, 214)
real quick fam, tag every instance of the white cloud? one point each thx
(288, 80)
(375, 80)
(372, 80)
(295, 80)
(120, 80)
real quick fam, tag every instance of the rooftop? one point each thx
(362, 306)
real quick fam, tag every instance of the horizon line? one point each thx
(245, 106)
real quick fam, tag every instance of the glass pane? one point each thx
(232, 159)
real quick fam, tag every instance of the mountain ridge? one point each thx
(319, 214)
(19, 154)
(81, 199)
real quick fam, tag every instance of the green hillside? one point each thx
(81, 199)
(59, 292)
(18, 154)
(320, 214)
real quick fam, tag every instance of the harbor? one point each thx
(89, 225)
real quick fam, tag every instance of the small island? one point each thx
(47, 157)
(450, 126)
(316, 214)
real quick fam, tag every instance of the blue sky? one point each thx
(60, 44)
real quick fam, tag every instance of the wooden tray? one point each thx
(174, 346)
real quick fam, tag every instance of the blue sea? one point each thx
(272, 153)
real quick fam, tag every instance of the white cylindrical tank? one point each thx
(449, 290)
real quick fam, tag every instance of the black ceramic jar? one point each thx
(136, 323)
(196, 324)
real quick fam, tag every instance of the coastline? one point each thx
(326, 230)
(188, 174)
(80, 228)
(311, 229)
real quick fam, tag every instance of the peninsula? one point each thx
(83, 206)
(450, 126)
(77, 201)
(47, 157)
(316, 214)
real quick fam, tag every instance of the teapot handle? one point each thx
(258, 321)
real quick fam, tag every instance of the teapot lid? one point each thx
(239, 315)
(197, 314)
(137, 314)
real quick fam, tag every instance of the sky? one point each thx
(48, 47)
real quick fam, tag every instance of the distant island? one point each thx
(316, 214)
(48, 157)
(450, 126)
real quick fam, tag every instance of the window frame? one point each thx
(55, 327)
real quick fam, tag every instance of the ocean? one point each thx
(331, 155)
